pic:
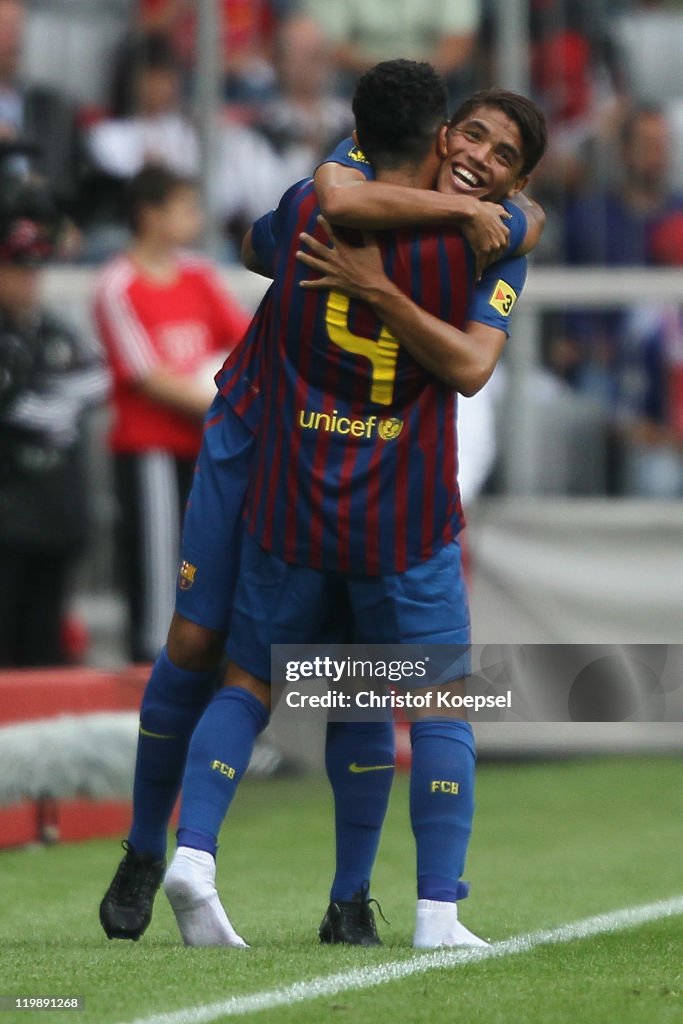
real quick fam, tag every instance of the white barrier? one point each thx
(547, 287)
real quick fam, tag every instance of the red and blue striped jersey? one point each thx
(356, 456)
(240, 379)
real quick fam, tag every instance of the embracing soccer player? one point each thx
(362, 519)
(506, 152)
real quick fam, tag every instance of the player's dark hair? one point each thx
(526, 114)
(399, 106)
(152, 186)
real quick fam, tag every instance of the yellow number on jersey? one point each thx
(382, 354)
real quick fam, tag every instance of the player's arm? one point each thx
(463, 359)
(349, 199)
(381, 205)
(261, 243)
(385, 206)
(535, 218)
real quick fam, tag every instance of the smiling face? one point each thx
(484, 156)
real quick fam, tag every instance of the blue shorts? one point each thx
(279, 603)
(212, 533)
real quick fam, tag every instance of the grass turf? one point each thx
(553, 843)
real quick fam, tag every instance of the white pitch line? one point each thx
(395, 970)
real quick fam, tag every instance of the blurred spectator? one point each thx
(48, 379)
(37, 113)
(148, 126)
(573, 75)
(363, 32)
(649, 41)
(573, 78)
(151, 127)
(651, 402)
(249, 179)
(161, 314)
(70, 45)
(306, 122)
(651, 384)
(614, 227)
(247, 27)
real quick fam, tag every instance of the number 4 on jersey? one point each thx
(382, 353)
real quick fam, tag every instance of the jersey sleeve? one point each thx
(497, 292)
(517, 225)
(348, 154)
(263, 240)
(266, 232)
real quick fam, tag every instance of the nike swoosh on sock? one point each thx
(155, 735)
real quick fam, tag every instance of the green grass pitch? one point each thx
(553, 842)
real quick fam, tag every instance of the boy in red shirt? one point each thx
(161, 314)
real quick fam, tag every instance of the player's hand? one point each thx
(353, 270)
(487, 233)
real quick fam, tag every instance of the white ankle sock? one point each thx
(190, 885)
(437, 924)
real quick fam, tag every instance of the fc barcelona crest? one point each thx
(186, 575)
(389, 429)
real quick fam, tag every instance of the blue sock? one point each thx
(360, 798)
(218, 757)
(441, 804)
(172, 705)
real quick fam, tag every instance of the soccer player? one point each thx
(354, 431)
(183, 675)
